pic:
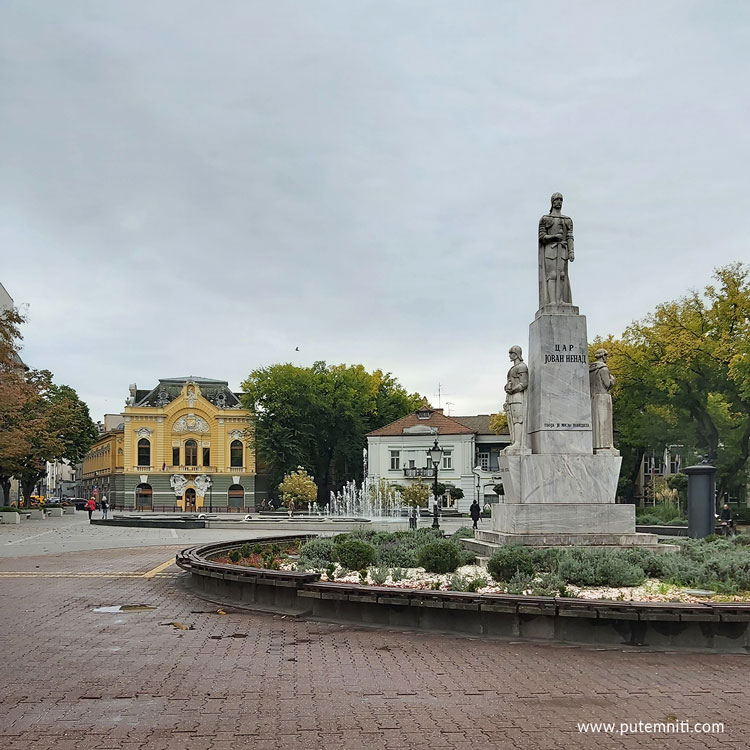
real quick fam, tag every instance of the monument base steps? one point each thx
(487, 542)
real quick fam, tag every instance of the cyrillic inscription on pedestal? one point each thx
(559, 395)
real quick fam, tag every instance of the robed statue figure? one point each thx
(601, 381)
(515, 401)
(555, 250)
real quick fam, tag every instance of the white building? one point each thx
(60, 479)
(398, 454)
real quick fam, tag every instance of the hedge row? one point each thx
(719, 564)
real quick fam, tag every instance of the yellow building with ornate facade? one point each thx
(184, 445)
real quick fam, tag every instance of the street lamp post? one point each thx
(436, 454)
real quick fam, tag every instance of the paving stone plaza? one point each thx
(182, 676)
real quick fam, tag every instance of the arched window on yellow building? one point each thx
(191, 453)
(235, 454)
(144, 452)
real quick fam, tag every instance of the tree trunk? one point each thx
(5, 487)
(27, 487)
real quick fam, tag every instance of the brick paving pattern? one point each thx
(75, 679)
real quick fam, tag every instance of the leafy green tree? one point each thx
(683, 376)
(317, 417)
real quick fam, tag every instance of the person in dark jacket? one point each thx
(727, 524)
(475, 511)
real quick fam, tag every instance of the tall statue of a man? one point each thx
(555, 250)
(601, 382)
(515, 400)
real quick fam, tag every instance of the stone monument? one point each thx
(560, 472)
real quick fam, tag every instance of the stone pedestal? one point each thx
(559, 396)
(556, 478)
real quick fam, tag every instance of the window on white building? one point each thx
(395, 460)
(483, 459)
(447, 459)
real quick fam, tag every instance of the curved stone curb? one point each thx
(712, 626)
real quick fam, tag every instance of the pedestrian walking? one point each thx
(291, 508)
(104, 505)
(90, 506)
(475, 511)
(413, 519)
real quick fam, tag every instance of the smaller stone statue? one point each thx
(178, 483)
(202, 483)
(515, 401)
(601, 382)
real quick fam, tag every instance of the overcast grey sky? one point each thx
(200, 187)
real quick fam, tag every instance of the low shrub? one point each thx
(245, 550)
(235, 556)
(442, 556)
(316, 553)
(520, 583)
(465, 532)
(599, 568)
(459, 582)
(9, 509)
(476, 583)
(379, 575)
(354, 554)
(653, 563)
(549, 584)
(399, 549)
(465, 556)
(547, 560)
(398, 574)
(510, 560)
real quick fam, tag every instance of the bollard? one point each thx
(435, 521)
(701, 500)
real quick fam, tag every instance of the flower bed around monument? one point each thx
(426, 560)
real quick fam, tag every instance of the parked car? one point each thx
(79, 502)
(53, 501)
